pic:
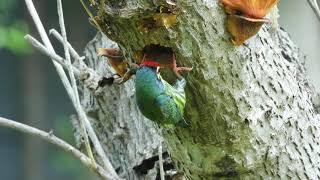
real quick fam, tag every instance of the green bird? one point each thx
(157, 99)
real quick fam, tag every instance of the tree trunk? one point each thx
(249, 108)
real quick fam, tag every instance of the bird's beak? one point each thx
(158, 73)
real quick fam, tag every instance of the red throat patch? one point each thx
(150, 63)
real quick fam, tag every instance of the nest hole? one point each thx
(157, 52)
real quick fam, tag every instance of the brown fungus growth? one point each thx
(245, 17)
(163, 17)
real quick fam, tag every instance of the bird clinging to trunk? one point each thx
(156, 98)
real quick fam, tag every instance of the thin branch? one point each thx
(77, 104)
(69, 89)
(73, 52)
(90, 14)
(83, 74)
(161, 162)
(47, 43)
(315, 7)
(91, 133)
(36, 44)
(49, 137)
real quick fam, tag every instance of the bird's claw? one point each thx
(176, 69)
(181, 69)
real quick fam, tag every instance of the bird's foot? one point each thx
(177, 70)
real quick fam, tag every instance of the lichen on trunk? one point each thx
(249, 107)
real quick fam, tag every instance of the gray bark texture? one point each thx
(250, 108)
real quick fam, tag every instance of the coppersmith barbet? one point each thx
(157, 99)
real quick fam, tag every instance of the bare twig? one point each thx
(73, 52)
(36, 44)
(47, 43)
(77, 104)
(161, 162)
(315, 7)
(90, 14)
(91, 133)
(86, 73)
(49, 137)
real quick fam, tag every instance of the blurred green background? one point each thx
(31, 92)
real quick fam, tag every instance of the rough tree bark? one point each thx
(250, 107)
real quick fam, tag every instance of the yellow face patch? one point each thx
(158, 73)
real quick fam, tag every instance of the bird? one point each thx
(157, 99)
(245, 17)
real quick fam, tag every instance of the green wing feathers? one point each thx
(172, 103)
(177, 93)
(170, 111)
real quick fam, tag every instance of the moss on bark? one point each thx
(249, 107)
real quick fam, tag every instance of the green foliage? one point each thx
(12, 38)
(12, 30)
